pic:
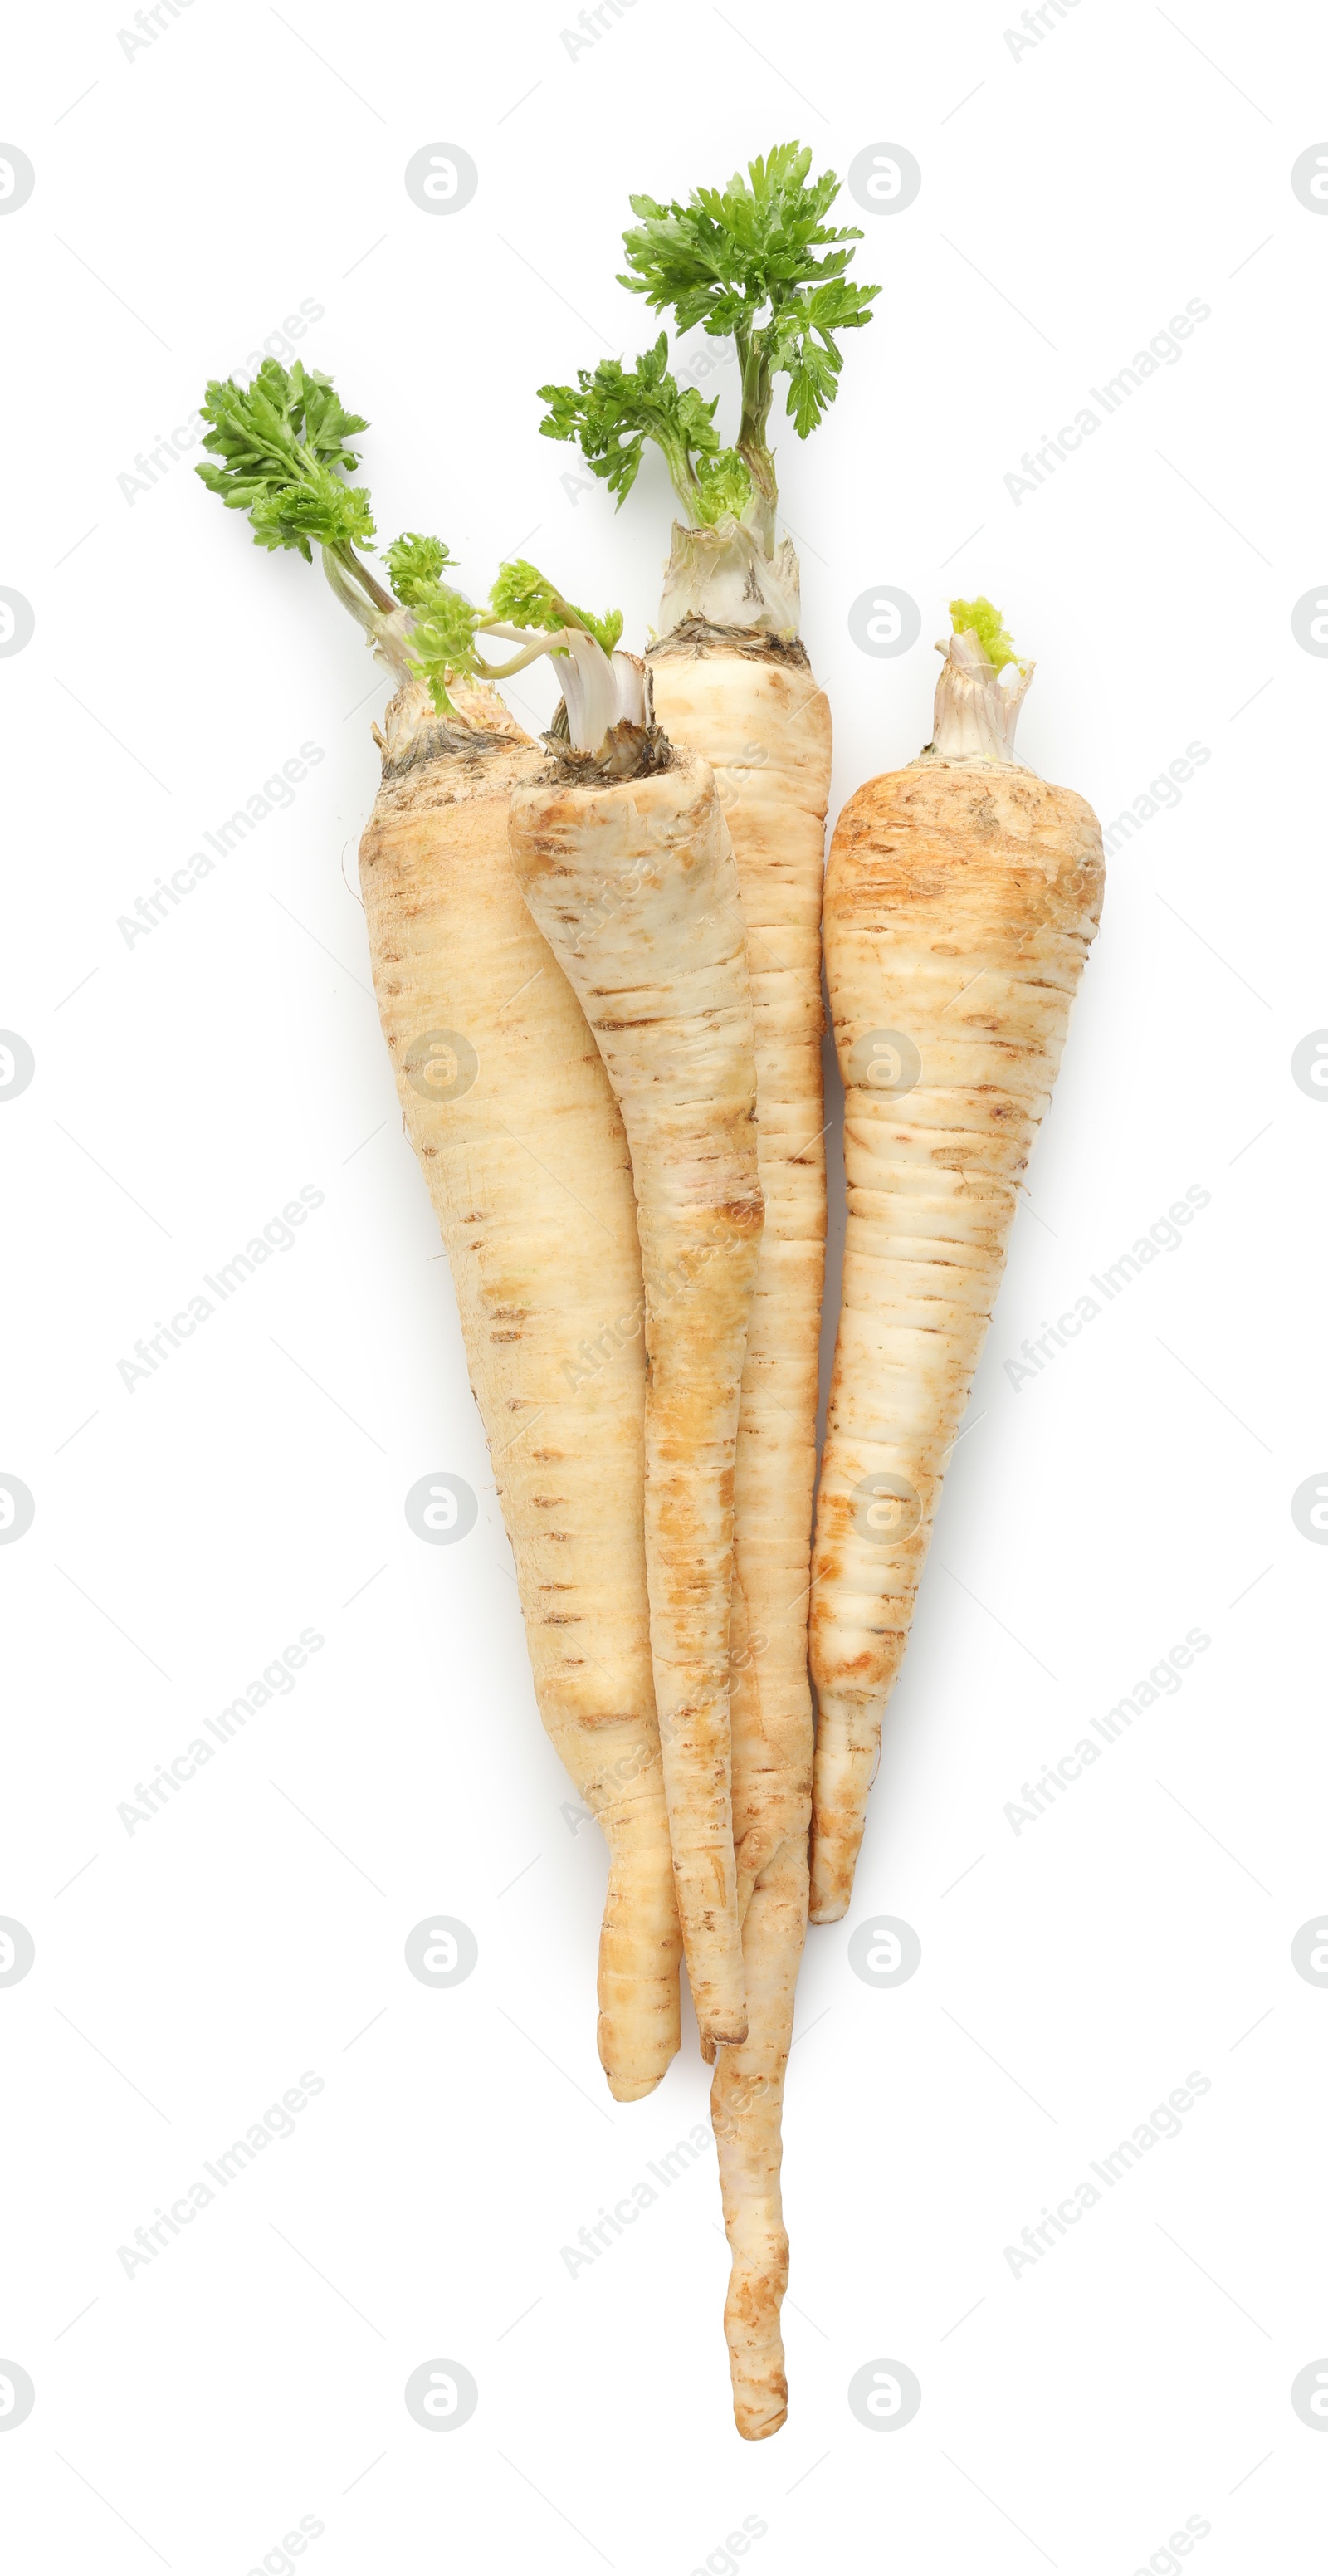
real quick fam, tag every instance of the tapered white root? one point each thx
(961, 898)
(751, 704)
(746, 2107)
(508, 1108)
(634, 886)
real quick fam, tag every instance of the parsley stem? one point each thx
(505, 670)
(350, 562)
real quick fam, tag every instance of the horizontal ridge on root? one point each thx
(694, 634)
(441, 741)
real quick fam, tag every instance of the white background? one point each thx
(1073, 199)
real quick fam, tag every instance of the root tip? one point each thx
(758, 2428)
(629, 2089)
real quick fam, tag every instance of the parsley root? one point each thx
(961, 898)
(631, 879)
(521, 1144)
(756, 263)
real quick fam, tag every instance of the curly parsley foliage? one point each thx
(441, 645)
(756, 262)
(415, 564)
(522, 596)
(322, 510)
(283, 447)
(724, 487)
(978, 617)
(440, 641)
(606, 630)
(446, 632)
(611, 413)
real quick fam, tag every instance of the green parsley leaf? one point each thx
(611, 412)
(283, 447)
(523, 596)
(978, 617)
(414, 564)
